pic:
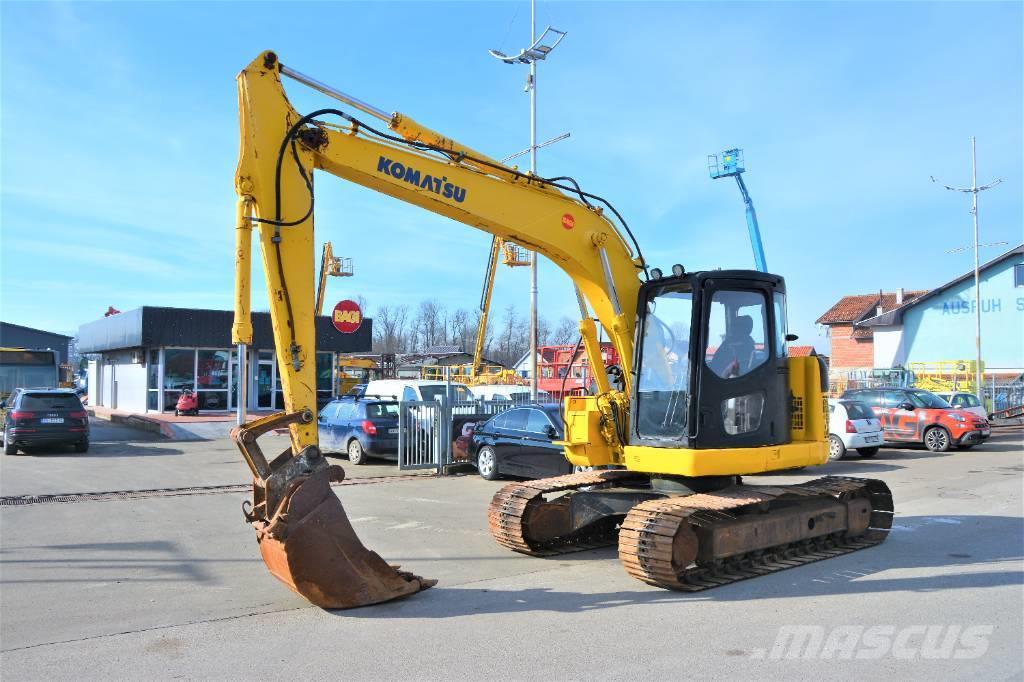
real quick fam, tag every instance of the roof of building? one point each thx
(801, 351)
(153, 326)
(32, 329)
(852, 309)
(895, 316)
(443, 349)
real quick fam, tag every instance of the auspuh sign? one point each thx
(347, 316)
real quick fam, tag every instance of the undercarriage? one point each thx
(677, 534)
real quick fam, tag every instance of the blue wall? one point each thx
(942, 328)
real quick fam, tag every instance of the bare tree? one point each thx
(566, 332)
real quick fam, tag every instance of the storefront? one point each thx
(148, 356)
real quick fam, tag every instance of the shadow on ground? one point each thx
(918, 542)
(121, 562)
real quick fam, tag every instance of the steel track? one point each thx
(646, 535)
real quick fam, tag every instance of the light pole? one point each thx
(974, 190)
(539, 49)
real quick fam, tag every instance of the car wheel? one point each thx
(9, 447)
(867, 453)
(82, 446)
(936, 439)
(356, 454)
(487, 463)
(836, 449)
(177, 413)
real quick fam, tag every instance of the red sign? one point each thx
(347, 317)
(568, 222)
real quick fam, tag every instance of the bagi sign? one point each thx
(347, 316)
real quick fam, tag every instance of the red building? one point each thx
(562, 373)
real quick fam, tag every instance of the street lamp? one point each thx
(540, 47)
(974, 190)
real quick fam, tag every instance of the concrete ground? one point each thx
(168, 587)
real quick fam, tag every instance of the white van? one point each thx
(513, 393)
(414, 389)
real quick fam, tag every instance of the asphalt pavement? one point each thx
(173, 586)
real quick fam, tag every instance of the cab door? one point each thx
(742, 389)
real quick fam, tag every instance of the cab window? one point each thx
(737, 333)
(409, 394)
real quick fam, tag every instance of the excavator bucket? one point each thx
(305, 537)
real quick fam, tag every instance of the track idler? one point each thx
(305, 537)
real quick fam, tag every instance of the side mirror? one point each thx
(550, 431)
(791, 337)
(907, 406)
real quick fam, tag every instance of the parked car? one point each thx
(852, 426)
(913, 415)
(967, 402)
(516, 394)
(520, 442)
(44, 416)
(360, 428)
(414, 389)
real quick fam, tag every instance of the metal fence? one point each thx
(998, 397)
(428, 429)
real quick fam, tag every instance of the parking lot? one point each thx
(168, 580)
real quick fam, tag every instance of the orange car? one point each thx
(913, 415)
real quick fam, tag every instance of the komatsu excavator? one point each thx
(705, 392)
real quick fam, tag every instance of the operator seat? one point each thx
(736, 354)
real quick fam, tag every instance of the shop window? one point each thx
(213, 370)
(1018, 275)
(153, 370)
(179, 374)
(153, 380)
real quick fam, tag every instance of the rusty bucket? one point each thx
(305, 537)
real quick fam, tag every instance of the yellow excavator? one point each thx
(705, 392)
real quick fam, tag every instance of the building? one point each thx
(17, 336)
(147, 356)
(939, 326)
(431, 363)
(565, 370)
(853, 346)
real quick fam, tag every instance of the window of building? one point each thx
(324, 377)
(1018, 275)
(179, 374)
(153, 380)
(212, 379)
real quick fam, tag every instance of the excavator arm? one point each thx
(279, 150)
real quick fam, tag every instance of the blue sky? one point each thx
(119, 141)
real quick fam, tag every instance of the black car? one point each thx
(360, 428)
(44, 416)
(519, 442)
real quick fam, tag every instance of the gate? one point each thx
(425, 429)
(420, 434)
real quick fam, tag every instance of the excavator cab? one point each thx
(711, 362)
